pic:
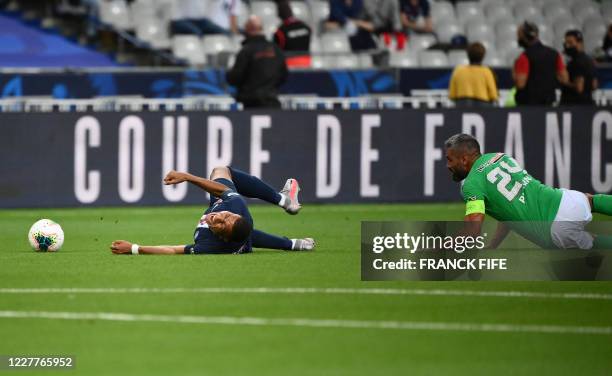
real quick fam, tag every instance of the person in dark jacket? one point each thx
(293, 37)
(581, 69)
(259, 70)
(538, 71)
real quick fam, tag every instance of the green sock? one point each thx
(602, 204)
(602, 242)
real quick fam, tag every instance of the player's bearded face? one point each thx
(455, 163)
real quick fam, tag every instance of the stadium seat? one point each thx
(525, 11)
(479, 28)
(433, 59)
(315, 44)
(487, 38)
(346, 62)
(446, 31)
(498, 14)
(581, 13)
(243, 14)
(154, 32)
(407, 59)
(188, 47)
(143, 9)
(216, 43)
(593, 41)
(300, 11)
(457, 57)
(506, 29)
(492, 59)
(553, 11)
(421, 42)
(511, 54)
(594, 27)
(321, 62)
(264, 9)
(319, 10)
(469, 10)
(365, 61)
(335, 42)
(442, 11)
(116, 13)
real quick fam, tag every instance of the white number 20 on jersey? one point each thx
(503, 171)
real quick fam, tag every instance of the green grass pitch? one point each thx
(143, 347)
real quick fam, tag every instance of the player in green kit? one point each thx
(495, 184)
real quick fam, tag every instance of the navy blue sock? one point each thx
(263, 240)
(251, 186)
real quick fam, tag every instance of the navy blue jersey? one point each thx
(204, 239)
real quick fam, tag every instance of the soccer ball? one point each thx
(46, 235)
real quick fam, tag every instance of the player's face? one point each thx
(221, 223)
(456, 162)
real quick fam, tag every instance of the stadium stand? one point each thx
(137, 32)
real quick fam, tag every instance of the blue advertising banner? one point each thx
(114, 158)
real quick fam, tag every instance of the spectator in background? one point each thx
(538, 70)
(579, 89)
(415, 16)
(293, 37)
(607, 44)
(205, 17)
(259, 70)
(385, 18)
(474, 84)
(350, 15)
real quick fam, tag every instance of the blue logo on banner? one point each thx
(13, 88)
(352, 84)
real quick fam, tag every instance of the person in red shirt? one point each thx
(538, 71)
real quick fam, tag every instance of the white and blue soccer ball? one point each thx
(46, 236)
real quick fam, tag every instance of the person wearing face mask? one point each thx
(538, 70)
(579, 89)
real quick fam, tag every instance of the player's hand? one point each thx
(175, 177)
(121, 247)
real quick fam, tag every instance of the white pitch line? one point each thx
(313, 290)
(314, 323)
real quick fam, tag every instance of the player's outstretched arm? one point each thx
(123, 247)
(212, 187)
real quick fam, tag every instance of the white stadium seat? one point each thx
(433, 59)
(346, 62)
(498, 14)
(188, 47)
(403, 60)
(494, 60)
(447, 31)
(458, 57)
(116, 13)
(421, 42)
(154, 32)
(335, 42)
(469, 10)
(300, 11)
(264, 9)
(319, 10)
(442, 11)
(216, 43)
(553, 12)
(505, 29)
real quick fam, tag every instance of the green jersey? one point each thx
(499, 187)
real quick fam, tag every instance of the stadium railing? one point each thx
(419, 99)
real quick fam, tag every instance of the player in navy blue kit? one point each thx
(227, 225)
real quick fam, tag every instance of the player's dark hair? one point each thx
(464, 142)
(241, 230)
(476, 52)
